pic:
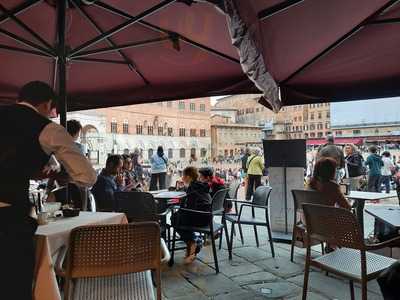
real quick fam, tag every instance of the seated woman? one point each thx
(198, 198)
(323, 180)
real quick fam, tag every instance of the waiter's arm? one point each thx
(54, 139)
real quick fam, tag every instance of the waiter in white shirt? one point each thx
(28, 139)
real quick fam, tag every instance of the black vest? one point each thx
(21, 156)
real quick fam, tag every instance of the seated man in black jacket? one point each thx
(108, 182)
(198, 198)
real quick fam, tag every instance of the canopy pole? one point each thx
(61, 62)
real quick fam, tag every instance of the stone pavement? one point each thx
(253, 274)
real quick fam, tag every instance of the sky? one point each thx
(365, 111)
(214, 99)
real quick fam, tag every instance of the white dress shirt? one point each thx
(55, 139)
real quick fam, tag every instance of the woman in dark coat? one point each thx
(198, 198)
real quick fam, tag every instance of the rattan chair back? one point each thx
(261, 195)
(233, 190)
(336, 226)
(105, 250)
(217, 204)
(138, 206)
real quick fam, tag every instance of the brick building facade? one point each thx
(182, 127)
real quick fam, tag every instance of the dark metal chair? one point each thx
(260, 201)
(299, 228)
(232, 195)
(138, 206)
(217, 207)
(339, 227)
(142, 207)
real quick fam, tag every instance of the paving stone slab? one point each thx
(254, 278)
(276, 289)
(239, 295)
(281, 266)
(212, 285)
(206, 255)
(194, 296)
(253, 254)
(237, 266)
(176, 286)
(310, 296)
(332, 287)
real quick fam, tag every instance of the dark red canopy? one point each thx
(319, 51)
(166, 50)
(123, 51)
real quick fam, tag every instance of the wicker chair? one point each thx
(338, 226)
(217, 207)
(260, 201)
(113, 262)
(299, 229)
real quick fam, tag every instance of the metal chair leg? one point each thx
(292, 245)
(351, 290)
(231, 241)
(271, 243)
(214, 253)
(227, 239)
(220, 238)
(241, 233)
(171, 261)
(256, 236)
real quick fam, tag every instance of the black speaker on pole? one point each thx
(285, 154)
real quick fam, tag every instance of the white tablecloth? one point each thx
(50, 238)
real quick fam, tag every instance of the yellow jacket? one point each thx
(255, 165)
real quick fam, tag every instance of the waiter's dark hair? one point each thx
(37, 92)
(73, 127)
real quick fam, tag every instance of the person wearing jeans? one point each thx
(158, 170)
(387, 169)
(255, 167)
(375, 163)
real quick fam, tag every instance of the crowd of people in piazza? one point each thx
(369, 169)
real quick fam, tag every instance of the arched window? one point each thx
(182, 153)
(193, 152)
(203, 152)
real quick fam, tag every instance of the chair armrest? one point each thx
(249, 205)
(387, 243)
(166, 256)
(196, 211)
(239, 201)
(59, 262)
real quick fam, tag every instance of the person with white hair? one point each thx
(255, 167)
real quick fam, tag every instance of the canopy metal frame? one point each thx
(61, 54)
